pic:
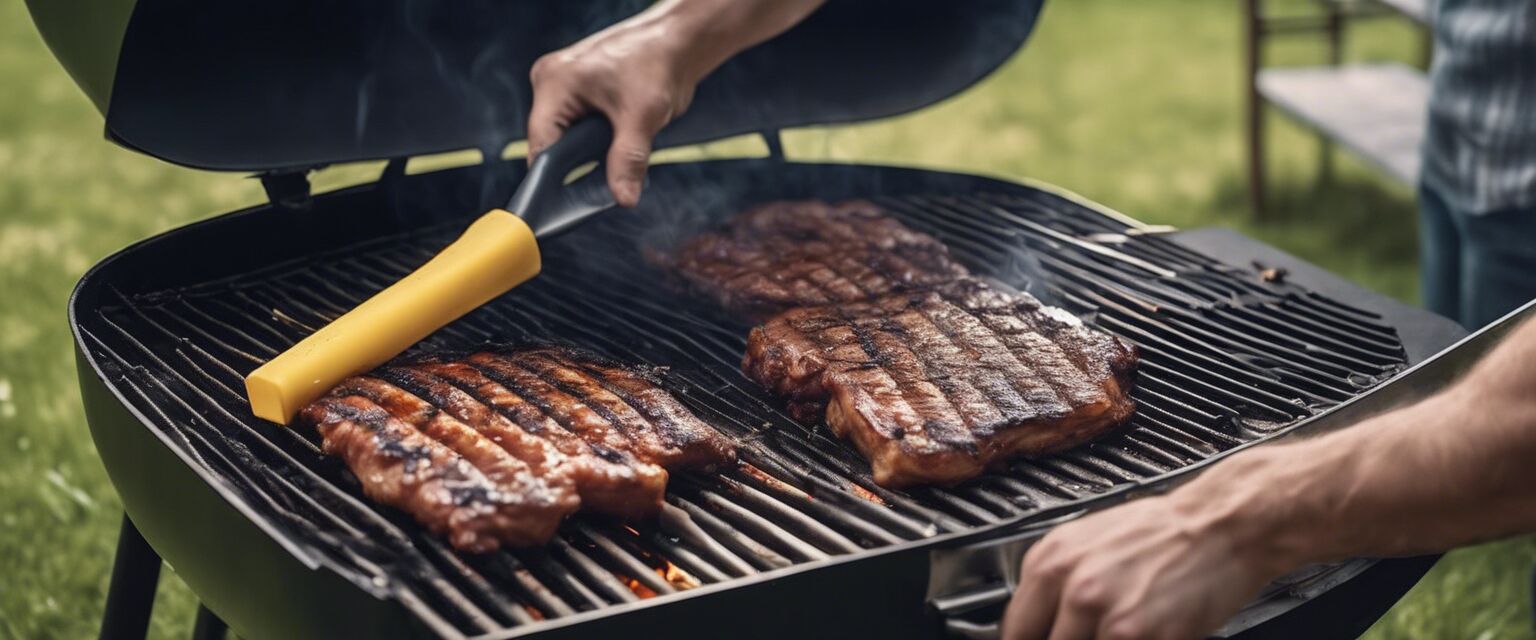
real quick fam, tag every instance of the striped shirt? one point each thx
(1480, 147)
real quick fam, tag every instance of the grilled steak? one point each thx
(404, 468)
(608, 480)
(498, 448)
(788, 254)
(934, 387)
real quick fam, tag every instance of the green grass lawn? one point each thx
(1135, 103)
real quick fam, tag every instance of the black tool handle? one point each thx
(537, 200)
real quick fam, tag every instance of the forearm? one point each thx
(706, 33)
(1457, 468)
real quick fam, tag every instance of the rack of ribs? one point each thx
(937, 386)
(497, 448)
(787, 254)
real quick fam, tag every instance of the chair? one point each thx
(1375, 110)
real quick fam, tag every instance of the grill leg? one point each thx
(209, 626)
(131, 595)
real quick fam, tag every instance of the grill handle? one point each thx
(969, 578)
(967, 583)
(977, 578)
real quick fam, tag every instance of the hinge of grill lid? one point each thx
(288, 188)
(775, 142)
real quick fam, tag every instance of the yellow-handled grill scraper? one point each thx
(497, 252)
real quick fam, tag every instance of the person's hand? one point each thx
(630, 73)
(641, 74)
(1154, 568)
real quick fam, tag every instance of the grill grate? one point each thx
(1226, 359)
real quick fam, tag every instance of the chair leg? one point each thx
(1325, 166)
(131, 594)
(1256, 191)
(1253, 23)
(209, 626)
(1334, 29)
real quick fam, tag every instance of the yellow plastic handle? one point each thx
(495, 254)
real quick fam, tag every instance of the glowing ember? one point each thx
(866, 494)
(677, 577)
(535, 613)
(636, 586)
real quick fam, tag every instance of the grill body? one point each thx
(175, 446)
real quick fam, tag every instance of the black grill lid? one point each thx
(242, 85)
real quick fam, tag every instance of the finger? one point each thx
(554, 109)
(1033, 607)
(1074, 623)
(628, 157)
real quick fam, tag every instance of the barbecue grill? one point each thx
(277, 540)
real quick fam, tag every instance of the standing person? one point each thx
(1477, 201)
(1451, 470)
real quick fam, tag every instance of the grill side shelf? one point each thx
(1422, 334)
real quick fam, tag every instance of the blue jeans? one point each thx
(1475, 268)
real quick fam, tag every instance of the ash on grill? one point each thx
(1225, 360)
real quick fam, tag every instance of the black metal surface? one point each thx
(276, 84)
(1422, 334)
(1344, 607)
(172, 326)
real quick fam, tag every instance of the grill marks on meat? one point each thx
(498, 448)
(681, 442)
(610, 481)
(622, 408)
(935, 387)
(402, 467)
(788, 254)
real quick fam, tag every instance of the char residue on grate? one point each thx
(1226, 358)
